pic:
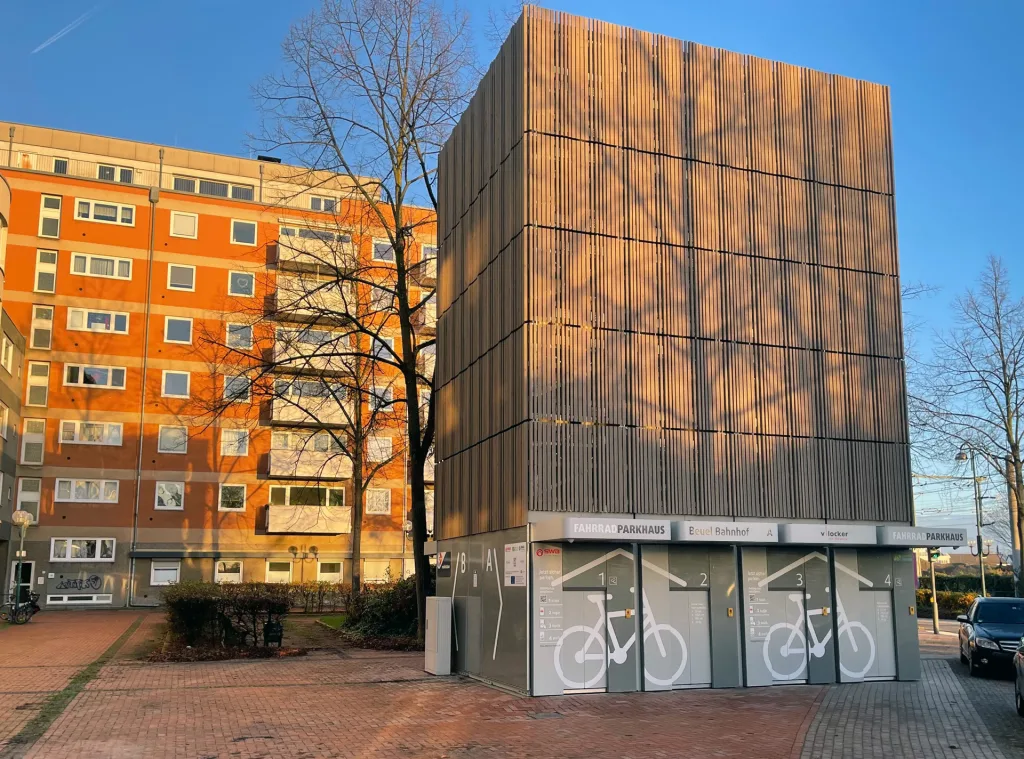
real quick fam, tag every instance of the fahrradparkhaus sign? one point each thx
(922, 537)
(625, 530)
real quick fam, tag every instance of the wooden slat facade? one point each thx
(668, 284)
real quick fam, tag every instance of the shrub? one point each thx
(996, 583)
(950, 603)
(208, 614)
(319, 597)
(384, 610)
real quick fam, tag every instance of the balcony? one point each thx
(309, 465)
(314, 249)
(301, 298)
(425, 272)
(310, 411)
(309, 520)
(311, 350)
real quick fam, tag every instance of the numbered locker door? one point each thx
(780, 610)
(864, 606)
(691, 620)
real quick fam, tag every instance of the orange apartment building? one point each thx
(127, 261)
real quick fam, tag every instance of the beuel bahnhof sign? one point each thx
(726, 532)
(924, 537)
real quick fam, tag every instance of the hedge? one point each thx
(950, 603)
(215, 615)
(996, 583)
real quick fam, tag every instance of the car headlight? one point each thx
(986, 643)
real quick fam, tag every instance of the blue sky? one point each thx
(180, 73)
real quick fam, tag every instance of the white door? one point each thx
(689, 618)
(581, 651)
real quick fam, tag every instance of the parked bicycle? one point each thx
(19, 612)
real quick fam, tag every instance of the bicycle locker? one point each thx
(865, 583)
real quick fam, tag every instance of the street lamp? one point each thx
(20, 519)
(961, 456)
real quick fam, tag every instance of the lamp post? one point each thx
(20, 519)
(961, 456)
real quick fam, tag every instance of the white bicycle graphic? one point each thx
(590, 644)
(794, 648)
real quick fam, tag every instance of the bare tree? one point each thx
(370, 90)
(970, 392)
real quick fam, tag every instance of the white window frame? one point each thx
(77, 427)
(379, 444)
(181, 289)
(220, 577)
(117, 173)
(24, 498)
(90, 257)
(5, 419)
(373, 250)
(383, 575)
(378, 513)
(255, 233)
(220, 497)
(77, 599)
(42, 323)
(92, 213)
(324, 200)
(249, 274)
(32, 437)
(328, 491)
(69, 560)
(224, 433)
(167, 565)
(73, 482)
(167, 322)
(34, 380)
(110, 375)
(113, 321)
(248, 389)
(7, 354)
(227, 335)
(339, 576)
(45, 268)
(193, 216)
(159, 435)
(156, 495)
(266, 575)
(50, 213)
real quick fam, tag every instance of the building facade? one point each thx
(155, 287)
(672, 446)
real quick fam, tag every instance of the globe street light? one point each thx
(20, 519)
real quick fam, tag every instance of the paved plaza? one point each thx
(57, 701)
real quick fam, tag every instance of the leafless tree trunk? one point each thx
(971, 391)
(370, 90)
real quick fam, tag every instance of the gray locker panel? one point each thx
(691, 617)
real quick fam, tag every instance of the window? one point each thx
(279, 571)
(60, 165)
(164, 571)
(232, 498)
(243, 232)
(33, 442)
(94, 320)
(234, 442)
(428, 504)
(323, 442)
(106, 267)
(320, 203)
(82, 549)
(49, 216)
(381, 299)
(94, 376)
(5, 418)
(383, 251)
(91, 433)
(121, 174)
(185, 184)
(378, 501)
(42, 328)
(177, 329)
(306, 495)
(29, 489)
(176, 384)
(181, 277)
(46, 271)
(172, 439)
(170, 496)
(38, 383)
(213, 187)
(85, 491)
(106, 213)
(429, 254)
(7, 354)
(242, 284)
(236, 389)
(93, 598)
(184, 224)
(239, 336)
(376, 570)
(328, 571)
(227, 571)
(381, 397)
(378, 449)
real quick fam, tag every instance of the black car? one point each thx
(990, 633)
(1018, 679)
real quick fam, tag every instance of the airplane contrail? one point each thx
(68, 29)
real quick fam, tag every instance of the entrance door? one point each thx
(581, 653)
(865, 627)
(24, 582)
(689, 627)
(785, 644)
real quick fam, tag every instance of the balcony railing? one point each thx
(310, 411)
(303, 357)
(309, 520)
(303, 297)
(308, 464)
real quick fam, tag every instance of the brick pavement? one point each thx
(372, 704)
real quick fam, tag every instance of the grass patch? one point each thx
(379, 642)
(57, 702)
(334, 621)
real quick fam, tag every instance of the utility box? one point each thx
(438, 640)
